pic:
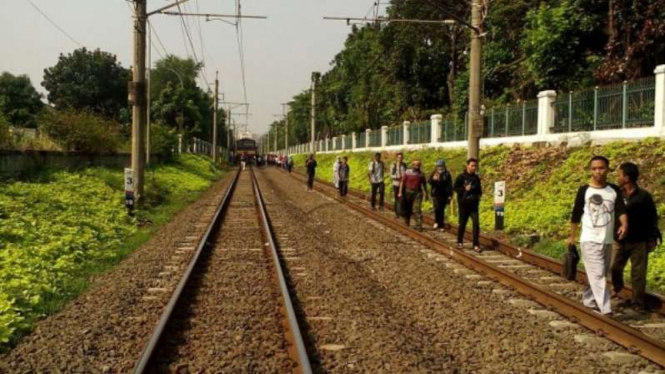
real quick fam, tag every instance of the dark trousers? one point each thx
(343, 188)
(381, 188)
(638, 255)
(413, 201)
(466, 212)
(310, 180)
(398, 202)
(439, 210)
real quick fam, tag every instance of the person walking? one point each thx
(597, 205)
(375, 175)
(397, 170)
(441, 187)
(344, 171)
(641, 239)
(412, 189)
(469, 191)
(290, 164)
(310, 164)
(336, 172)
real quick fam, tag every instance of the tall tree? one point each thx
(177, 97)
(19, 101)
(92, 80)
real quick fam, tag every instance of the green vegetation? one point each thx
(61, 228)
(540, 182)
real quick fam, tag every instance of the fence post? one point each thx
(327, 144)
(546, 113)
(507, 120)
(659, 118)
(354, 140)
(595, 108)
(384, 136)
(492, 124)
(570, 111)
(523, 117)
(624, 101)
(436, 128)
(405, 129)
(344, 142)
(368, 134)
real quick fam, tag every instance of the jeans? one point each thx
(343, 188)
(439, 210)
(310, 181)
(639, 256)
(413, 201)
(466, 212)
(398, 202)
(380, 187)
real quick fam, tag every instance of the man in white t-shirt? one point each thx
(596, 206)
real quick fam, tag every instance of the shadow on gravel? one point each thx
(180, 322)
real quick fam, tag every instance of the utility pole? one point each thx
(286, 128)
(138, 98)
(214, 119)
(315, 78)
(276, 136)
(475, 73)
(228, 130)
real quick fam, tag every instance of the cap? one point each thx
(440, 163)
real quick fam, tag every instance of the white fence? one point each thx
(634, 110)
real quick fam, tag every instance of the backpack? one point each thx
(570, 261)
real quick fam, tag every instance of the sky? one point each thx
(280, 52)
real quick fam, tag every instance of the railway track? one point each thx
(532, 276)
(231, 310)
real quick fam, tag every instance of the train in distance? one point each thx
(246, 148)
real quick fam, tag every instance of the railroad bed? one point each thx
(647, 329)
(228, 317)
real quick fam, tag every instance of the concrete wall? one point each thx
(14, 164)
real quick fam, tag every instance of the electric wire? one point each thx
(52, 22)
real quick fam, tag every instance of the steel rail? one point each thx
(626, 336)
(654, 301)
(303, 359)
(168, 311)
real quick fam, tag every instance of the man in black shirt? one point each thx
(642, 235)
(311, 171)
(468, 188)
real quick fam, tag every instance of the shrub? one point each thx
(80, 131)
(5, 135)
(163, 140)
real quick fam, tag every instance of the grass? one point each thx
(62, 229)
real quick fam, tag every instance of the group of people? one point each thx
(284, 162)
(411, 186)
(599, 208)
(619, 223)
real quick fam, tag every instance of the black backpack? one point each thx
(570, 261)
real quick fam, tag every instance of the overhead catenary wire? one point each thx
(52, 22)
(191, 44)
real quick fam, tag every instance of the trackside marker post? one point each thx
(499, 201)
(129, 189)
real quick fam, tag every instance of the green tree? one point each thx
(88, 80)
(19, 101)
(176, 97)
(561, 43)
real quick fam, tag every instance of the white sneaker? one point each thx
(436, 226)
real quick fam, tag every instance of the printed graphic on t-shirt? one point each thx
(600, 210)
(598, 216)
